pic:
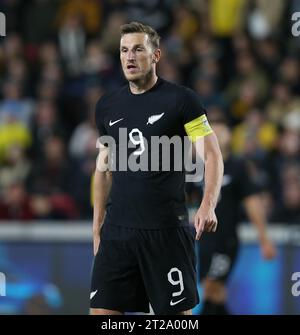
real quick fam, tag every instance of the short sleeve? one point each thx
(99, 112)
(194, 116)
(99, 119)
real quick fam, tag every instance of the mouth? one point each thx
(131, 67)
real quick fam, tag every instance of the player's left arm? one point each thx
(205, 145)
(205, 218)
(256, 214)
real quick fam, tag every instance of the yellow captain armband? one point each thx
(198, 127)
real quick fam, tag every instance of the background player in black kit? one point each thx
(217, 252)
(146, 253)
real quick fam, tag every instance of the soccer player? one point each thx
(217, 252)
(144, 249)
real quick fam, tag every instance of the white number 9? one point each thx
(139, 141)
(179, 281)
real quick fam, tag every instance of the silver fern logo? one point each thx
(154, 118)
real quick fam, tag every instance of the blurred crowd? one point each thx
(59, 57)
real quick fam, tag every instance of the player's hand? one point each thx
(205, 220)
(268, 250)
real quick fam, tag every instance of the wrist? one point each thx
(208, 203)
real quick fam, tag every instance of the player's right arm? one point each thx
(102, 185)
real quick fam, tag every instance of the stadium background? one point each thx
(59, 57)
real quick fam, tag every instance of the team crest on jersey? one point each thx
(154, 118)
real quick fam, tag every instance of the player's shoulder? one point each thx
(180, 90)
(109, 96)
(186, 98)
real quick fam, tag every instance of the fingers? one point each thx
(208, 226)
(199, 232)
(268, 250)
(215, 227)
(269, 253)
(199, 228)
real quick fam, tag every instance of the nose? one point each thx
(131, 55)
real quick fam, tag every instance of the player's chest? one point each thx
(148, 121)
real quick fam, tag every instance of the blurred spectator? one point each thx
(155, 13)
(253, 136)
(247, 71)
(264, 20)
(292, 120)
(241, 43)
(15, 203)
(82, 170)
(13, 46)
(83, 150)
(14, 105)
(51, 173)
(226, 20)
(51, 73)
(16, 167)
(48, 53)
(38, 21)
(86, 132)
(42, 208)
(97, 61)
(289, 72)
(204, 47)
(246, 101)
(72, 39)
(48, 90)
(46, 124)
(269, 55)
(186, 23)
(282, 103)
(13, 133)
(169, 71)
(289, 210)
(287, 154)
(110, 38)
(55, 207)
(205, 86)
(87, 11)
(17, 70)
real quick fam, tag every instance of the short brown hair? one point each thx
(137, 27)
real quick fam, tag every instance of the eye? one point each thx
(139, 49)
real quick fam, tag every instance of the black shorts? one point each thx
(135, 267)
(216, 255)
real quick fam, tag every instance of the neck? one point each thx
(142, 85)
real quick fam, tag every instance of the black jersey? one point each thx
(149, 199)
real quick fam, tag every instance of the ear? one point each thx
(156, 56)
